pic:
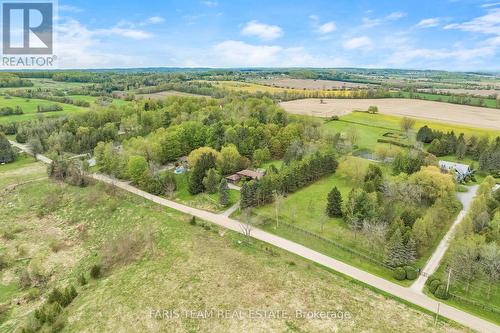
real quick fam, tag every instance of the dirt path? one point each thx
(406, 294)
(433, 263)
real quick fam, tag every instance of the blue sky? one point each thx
(448, 34)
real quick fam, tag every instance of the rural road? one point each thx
(403, 293)
(433, 263)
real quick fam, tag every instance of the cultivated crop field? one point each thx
(312, 84)
(441, 112)
(474, 92)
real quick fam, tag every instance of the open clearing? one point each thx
(443, 112)
(311, 84)
(29, 107)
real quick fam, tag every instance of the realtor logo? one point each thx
(27, 27)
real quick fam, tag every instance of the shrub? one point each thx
(82, 280)
(56, 296)
(434, 285)
(399, 274)
(33, 294)
(95, 271)
(441, 292)
(411, 273)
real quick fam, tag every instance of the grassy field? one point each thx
(93, 99)
(489, 102)
(23, 169)
(50, 84)
(204, 201)
(184, 268)
(371, 127)
(29, 107)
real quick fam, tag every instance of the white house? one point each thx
(461, 170)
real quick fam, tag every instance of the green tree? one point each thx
(211, 181)
(229, 161)
(334, 205)
(373, 178)
(137, 167)
(223, 192)
(373, 109)
(395, 251)
(261, 156)
(7, 154)
(204, 163)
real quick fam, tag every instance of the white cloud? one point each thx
(322, 29)
(123, 32)
(370, 23)
(488, 5)
(210, 3)
(262, 30)
(486, 24)
(155, 20)
(233, 53)
(69, 8)
(237, 53)
(395, 15)
(357, 42)
(428, 22)
(327, 28)
(79, 47)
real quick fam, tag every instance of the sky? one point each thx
(426, 34)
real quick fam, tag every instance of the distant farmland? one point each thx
(165, 94)
(312, 84)
(465, 115)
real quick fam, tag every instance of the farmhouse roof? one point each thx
(251, 174)
(463, 169)
(234, 177)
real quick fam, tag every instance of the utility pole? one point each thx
(448, 283)
(437, 314)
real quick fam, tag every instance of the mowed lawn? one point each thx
(371, 127)
(204, 201)
(29, 107)
(305, 209)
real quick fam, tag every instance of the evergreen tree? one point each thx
(373, 178)
(425, 135)
(7, 154)
(211, 181)
(334, 206)
(223, 192)
(410, 251)
(461, 147)
(245, 196)
(395, 251)
(204, 163)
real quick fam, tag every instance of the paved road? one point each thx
(433, 263)
(406, 294)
